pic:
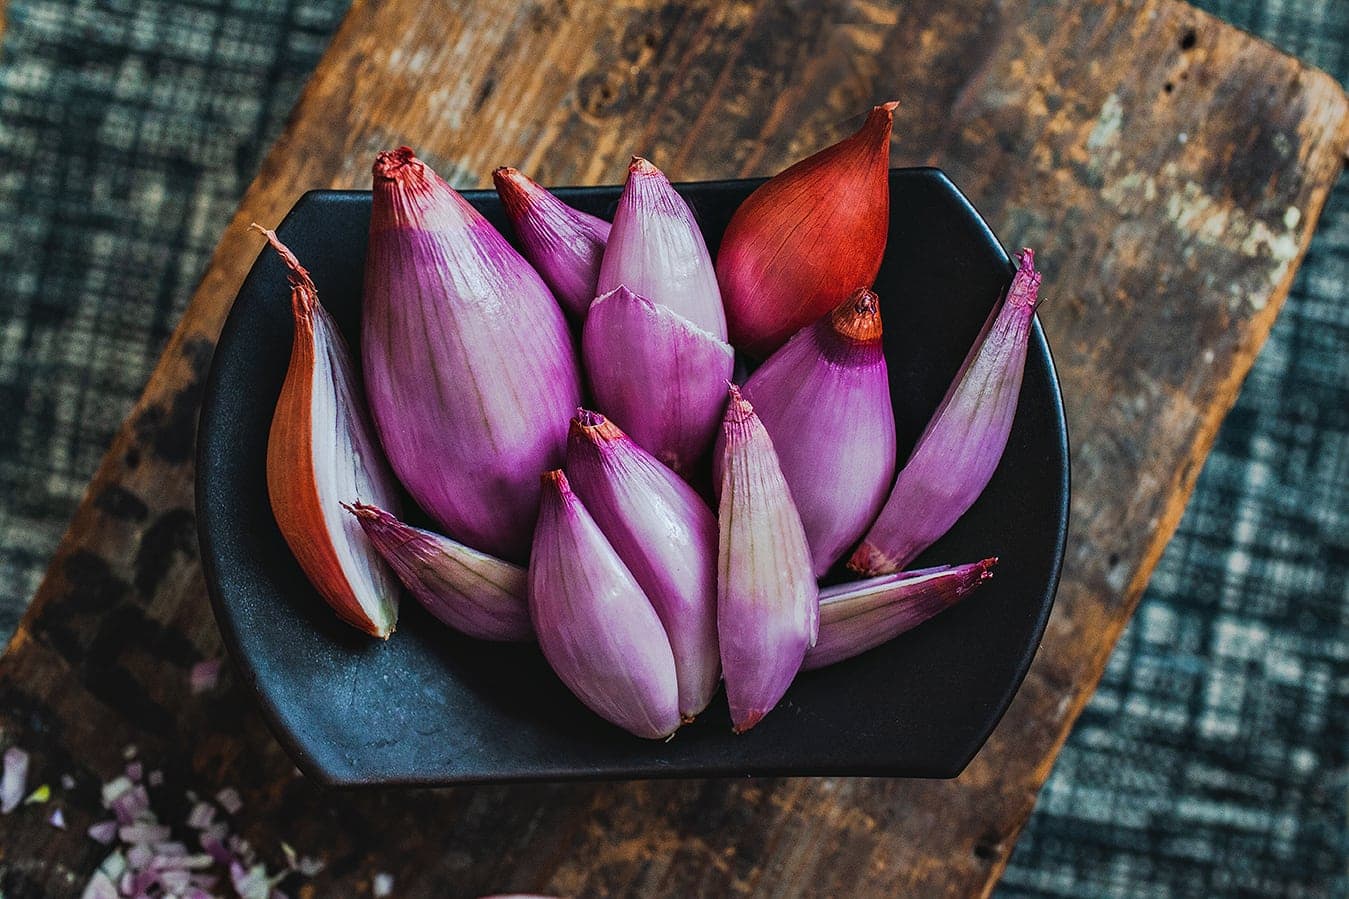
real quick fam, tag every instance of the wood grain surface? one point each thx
(1168, 168)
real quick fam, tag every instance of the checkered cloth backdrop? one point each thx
(1212, 761)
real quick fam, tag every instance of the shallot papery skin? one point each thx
(862, 615)
(666, 535)
(472, 592)
(963, 442)
(321, 451)
(656, 250)
(824, 398)
(659, 376)
(767, 600)
(469, 367)
(563, 244)
(596, 627)
(806, 237)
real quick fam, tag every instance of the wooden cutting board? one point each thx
(1168, 168)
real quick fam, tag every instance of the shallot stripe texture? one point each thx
(469, 366)
(768, 605)
(964, 440)
(654, 341)
(595, 625)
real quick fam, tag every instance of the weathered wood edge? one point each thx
(1184, 481)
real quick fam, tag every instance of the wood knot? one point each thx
(986, 851)
(600, 95)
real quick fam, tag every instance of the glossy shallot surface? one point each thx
(595, 625)
(963, 442)
(767, 601)
(666, 535)
(563, 244)
(806, 237)
(472, 592)
(824, 398)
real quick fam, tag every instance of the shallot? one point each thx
(469, 365)
(321, 451)
(767, 602)
(964, 440)
(563, 244)
(666, 535)
(596, 627)
(806, 237)
(824, 398)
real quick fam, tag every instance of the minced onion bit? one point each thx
(197, 858)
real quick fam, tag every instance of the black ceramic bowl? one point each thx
(432, 707)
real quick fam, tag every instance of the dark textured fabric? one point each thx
(1212, 761)
(128, 132)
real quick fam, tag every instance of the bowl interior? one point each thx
(432, 707)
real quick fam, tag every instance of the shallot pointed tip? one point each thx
(594, 425)
(400, 164)
(870, 560)
(858, 318)
(739, 412)
(745, 720)
(640, 165)
(1025, 289)
(975, 576)
(517, 190)
(738, 409)
(292, 263)
(303, 293)
(588, 418)
(364, 512)
(880, 119)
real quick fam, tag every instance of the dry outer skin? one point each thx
(1168, 168)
